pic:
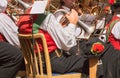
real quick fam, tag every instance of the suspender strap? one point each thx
(38, 22)
(110, 28)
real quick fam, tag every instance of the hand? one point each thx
(72, 17)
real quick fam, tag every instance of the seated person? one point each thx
(58, 38)
(11, 59)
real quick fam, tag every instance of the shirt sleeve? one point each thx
(9, 30)
(64, 37)
(116, 30)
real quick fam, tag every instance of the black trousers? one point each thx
(84, 48)
(110, 57)
(11, 60)
(73, 62)
(111, 63)
(69, 63)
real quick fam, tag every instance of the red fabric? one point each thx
(50, 43)
(2, 38)
(111, 1)
(25, 27)
(115, 42)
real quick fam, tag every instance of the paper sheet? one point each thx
(39, 7)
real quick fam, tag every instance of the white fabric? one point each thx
(116, 30)
(3, 5)
(63, 36)
(100, 24)
(9, 29)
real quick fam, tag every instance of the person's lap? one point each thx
(11, 60)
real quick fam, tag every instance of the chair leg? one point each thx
(93, 67)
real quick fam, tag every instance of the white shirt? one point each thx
(9, 30)
(7, 27)
(116, 30)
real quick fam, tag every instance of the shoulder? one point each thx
(117, 24)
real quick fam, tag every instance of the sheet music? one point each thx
(39, 7)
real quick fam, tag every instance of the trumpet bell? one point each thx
(96, 10)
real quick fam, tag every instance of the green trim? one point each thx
(38, 22)
(110, 28)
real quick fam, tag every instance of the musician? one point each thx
(11, 58)
(8, 29)
(84, 45)
(58, 38)
(111, 58)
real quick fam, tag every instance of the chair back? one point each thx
(33, 57)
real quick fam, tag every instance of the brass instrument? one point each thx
(96, 10)
(64, 21)
(13, 3)
(16, 8)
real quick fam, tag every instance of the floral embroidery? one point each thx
(97, 48)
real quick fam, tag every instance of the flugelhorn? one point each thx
(88, 30)
(63, 21)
